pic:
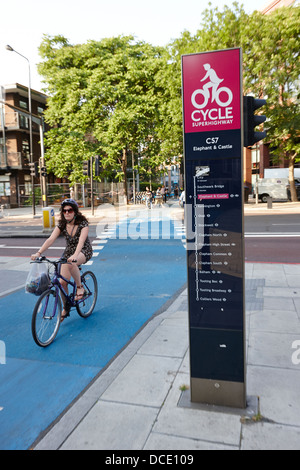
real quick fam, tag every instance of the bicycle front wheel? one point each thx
(46, 318)
(86, 306)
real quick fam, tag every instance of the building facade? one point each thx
(15, 179)
(271, 6)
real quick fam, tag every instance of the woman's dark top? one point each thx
(72, 242)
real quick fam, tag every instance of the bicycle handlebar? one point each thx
(55, 263)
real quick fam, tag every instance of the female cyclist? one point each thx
(74, 226)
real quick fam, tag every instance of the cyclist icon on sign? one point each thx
(214, 82)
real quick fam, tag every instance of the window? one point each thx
(4, 186)
(23, 104)
(27, 185)
(25, 148)
(24, 122)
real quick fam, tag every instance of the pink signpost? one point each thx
(212, 111)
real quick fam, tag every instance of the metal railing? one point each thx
(15, 120)
(11, 160)
(111, 193)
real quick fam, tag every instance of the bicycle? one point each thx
(46, 317)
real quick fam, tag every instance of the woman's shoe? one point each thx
(65, 313)
(79, 296)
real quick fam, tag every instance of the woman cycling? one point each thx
(74, 226)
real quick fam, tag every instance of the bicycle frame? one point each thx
(59, 288)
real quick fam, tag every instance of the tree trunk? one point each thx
(124, 169)
(292, 180)
(133, 177)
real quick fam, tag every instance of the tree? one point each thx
(103, 100)
(118, 98)
(218, 30)
(131, 126)
(271, 69)
(276, 65)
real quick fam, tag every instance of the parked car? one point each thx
(297, 184)
(276, 188)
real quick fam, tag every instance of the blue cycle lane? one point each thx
(139, 267)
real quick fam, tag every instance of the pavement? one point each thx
(277, 207)
(140, 401)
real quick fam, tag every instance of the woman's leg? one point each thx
(75, 273)
(66, 273)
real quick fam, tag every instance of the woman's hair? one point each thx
(79, 217)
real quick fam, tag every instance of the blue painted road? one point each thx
(136, 278)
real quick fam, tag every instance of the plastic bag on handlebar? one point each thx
(38, 279)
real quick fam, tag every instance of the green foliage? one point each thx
(119, 98)
(271, 66)
(103, 100)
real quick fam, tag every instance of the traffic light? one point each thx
(34, 169)
(87, 168)
(43, 171)
(98, 167)
(252, 120)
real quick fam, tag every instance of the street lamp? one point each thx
(9, 48)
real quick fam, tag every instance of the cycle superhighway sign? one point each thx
(212, 111)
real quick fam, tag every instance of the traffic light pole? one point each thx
(92, 188)
(43, 171)
(88, 170)
(256, 176)
(43, 182)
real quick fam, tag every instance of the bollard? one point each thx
(269, 202)
(48, 218)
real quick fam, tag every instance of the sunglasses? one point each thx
(70, 211)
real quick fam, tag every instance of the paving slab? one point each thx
(139, 396)
(270, 436)
(114, 426)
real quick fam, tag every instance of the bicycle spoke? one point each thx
(44, 327)
(86, 306)
(46, 318)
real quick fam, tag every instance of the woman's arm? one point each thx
(55, 234)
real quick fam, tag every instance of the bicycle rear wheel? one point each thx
(46, 318)
(86, 306)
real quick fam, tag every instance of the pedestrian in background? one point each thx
(163, 192)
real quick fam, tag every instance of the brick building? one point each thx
(271, 6)
(15, 179)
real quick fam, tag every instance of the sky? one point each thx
(23, 24)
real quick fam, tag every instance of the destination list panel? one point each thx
(214, 243)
